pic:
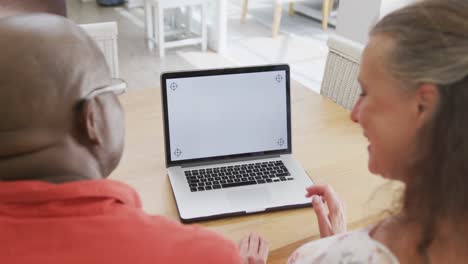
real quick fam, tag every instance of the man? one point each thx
(11, 7)
(61, 135)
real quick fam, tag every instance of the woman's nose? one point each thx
(355, 111)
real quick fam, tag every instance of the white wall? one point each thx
(388, 6)
(356, 17)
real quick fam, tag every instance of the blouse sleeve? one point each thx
(353, 247)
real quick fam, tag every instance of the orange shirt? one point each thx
(96, 221)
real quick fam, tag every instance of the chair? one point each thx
(327, 6)
(341, 71)
(105, 35)
(155, 26)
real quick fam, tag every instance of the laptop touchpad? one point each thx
(250, 199)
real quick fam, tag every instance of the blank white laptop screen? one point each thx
(220, 115)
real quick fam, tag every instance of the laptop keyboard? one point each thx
(237, 175)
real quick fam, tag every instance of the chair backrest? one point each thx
(105, 35)
(341, 71)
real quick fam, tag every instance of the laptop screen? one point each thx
(228, 114)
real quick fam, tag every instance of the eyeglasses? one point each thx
(118, 87)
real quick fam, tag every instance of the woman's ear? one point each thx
(427, 96)
(90, 122)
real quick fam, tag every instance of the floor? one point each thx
(301, 43)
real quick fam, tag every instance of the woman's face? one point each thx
(386, 112)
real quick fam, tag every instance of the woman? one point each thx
(413, 110)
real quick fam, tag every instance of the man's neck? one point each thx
(56, 164)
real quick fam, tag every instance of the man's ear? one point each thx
(90, 122)
(427, 97)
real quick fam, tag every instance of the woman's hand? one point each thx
(330, 214)
(254, 249)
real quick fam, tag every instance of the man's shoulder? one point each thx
(181, 233)
(195, 242)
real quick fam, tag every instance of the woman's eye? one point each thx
(362, 94)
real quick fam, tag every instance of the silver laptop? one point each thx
(228, 142)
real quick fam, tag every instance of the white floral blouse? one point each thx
(350, 248)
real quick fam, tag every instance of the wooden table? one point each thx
(329, 146)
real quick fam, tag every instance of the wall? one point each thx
(356, 17)
(388, 6)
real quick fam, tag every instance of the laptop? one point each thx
(228, 142)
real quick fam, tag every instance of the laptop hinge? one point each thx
(211, 162)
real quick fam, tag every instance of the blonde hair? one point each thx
(431, 46)
(431, 41)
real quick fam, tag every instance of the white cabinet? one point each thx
(217, 22)
(135, 3)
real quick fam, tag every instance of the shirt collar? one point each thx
(28, 192)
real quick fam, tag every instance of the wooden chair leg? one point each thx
(277, 19)
(325, 13)
(291, 8)
(244, 10)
